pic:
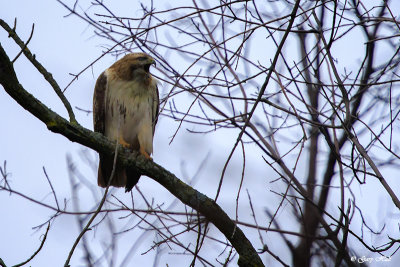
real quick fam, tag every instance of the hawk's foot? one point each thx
(123, 142)
(145, 154)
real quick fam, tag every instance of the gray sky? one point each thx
(66, 45)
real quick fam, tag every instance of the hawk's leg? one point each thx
(123, 142)
(144, 153)
(127, 145)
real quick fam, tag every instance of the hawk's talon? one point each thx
(123, 142)
(145, 154)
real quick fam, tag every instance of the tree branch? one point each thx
(32, 58)
(76, 133)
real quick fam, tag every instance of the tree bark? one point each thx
(76, 133)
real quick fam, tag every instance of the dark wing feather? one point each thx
(156, 108)
(99, 104)
(99, 125)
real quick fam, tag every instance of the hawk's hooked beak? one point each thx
(152, 62)
(149, 63)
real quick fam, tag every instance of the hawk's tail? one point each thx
(123, 177)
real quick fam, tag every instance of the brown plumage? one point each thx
(125, 109)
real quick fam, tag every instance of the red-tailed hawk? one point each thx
(125, 109)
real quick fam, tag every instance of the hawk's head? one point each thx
(134, 66)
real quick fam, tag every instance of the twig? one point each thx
(37, 251)
(52, 188)
(26, 43)
(86, 228)
(47, 75)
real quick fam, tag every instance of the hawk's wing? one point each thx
(156, 108)
(99, 121)
(99, 104)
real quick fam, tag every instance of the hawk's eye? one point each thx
(142, 58)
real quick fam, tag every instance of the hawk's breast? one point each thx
(129, 107)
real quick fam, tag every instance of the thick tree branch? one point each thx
(74, 132)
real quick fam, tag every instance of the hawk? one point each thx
(125, 109)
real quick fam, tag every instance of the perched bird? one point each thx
(125, 109)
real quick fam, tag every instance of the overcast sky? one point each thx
(65, 44)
